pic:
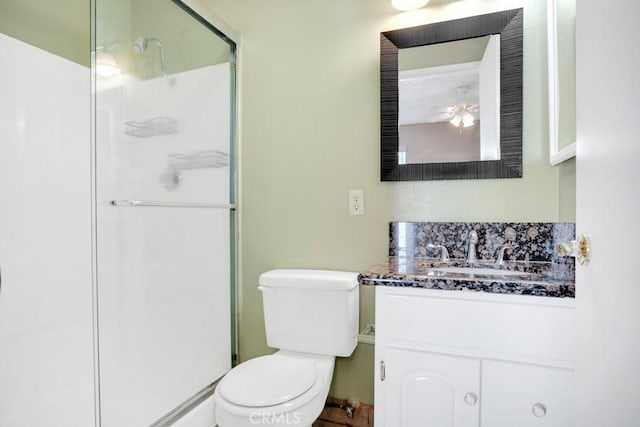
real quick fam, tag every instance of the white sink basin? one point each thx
(479, 270)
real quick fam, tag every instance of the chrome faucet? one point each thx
(444, 253)
(471, 252)
(503, 248)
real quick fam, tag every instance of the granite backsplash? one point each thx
(536, 240)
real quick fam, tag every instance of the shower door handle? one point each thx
(153, 203)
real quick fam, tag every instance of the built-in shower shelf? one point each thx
(152, 127)
(198, 160)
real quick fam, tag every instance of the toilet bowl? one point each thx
(283, 389)
(312, 317)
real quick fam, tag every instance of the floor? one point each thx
(336, 414)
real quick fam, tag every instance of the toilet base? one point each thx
(288, 419)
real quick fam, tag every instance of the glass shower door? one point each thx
(163, 201)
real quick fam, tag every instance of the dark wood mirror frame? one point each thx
(509, 24)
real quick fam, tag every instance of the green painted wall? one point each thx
(567, 190)
(63, 28)
(187, 43)
(310, 132)
(60, 27)
(566, 13)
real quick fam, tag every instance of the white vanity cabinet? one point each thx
(525, 395)
(432, 387)
(463, 359)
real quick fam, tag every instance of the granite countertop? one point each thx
(538, 278)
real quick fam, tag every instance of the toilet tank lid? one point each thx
(309, 279)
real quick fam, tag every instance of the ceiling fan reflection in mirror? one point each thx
(461, 115)
(441, 94)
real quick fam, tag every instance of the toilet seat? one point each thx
(268, 381)
(307, 405)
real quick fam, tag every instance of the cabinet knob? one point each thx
(470, 398)
(539, 410)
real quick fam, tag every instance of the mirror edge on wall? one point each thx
(556, 155)
(508, 23)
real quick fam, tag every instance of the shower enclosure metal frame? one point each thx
(202, 14)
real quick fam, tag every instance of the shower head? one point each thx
(140, 45)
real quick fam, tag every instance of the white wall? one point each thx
(46, 344)
(490, 100)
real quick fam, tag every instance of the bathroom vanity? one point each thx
(456, 358)
(465, 345)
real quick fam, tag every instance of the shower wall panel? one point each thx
(144, 127)
(46, 344)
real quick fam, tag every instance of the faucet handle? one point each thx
(471, 248)
(444, 253)
(501, 251)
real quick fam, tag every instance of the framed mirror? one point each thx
(451, 99)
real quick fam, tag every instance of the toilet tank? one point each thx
(311, 311)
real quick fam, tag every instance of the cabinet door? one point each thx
(429, 389)
(523, 395)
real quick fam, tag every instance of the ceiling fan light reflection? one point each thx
(106, 65)
(406, 5)
(467, 120)
(456, 120)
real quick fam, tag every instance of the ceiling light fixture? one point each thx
(406, 5)
(462, 113)
(461, 116)
(106, 61)
(106, 65)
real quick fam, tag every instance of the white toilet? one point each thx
(312, 317)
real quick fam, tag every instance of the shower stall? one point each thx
(117, 216)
